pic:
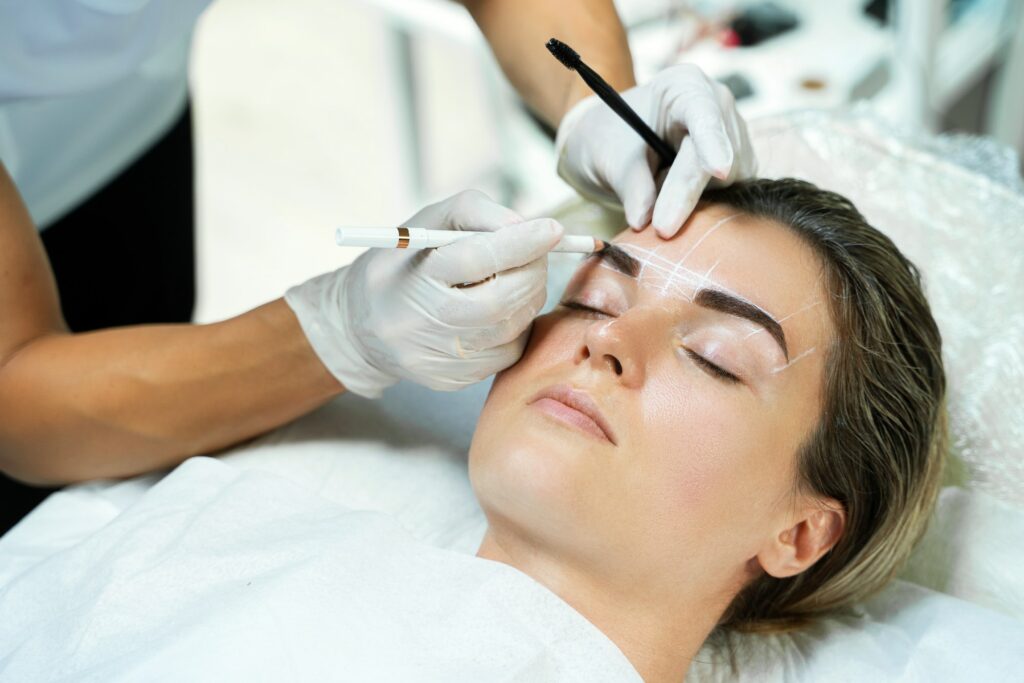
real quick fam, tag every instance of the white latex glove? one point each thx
(397, 314)
(608, 162)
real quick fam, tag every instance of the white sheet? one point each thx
(221, 574)
(907, 633)
(221, 571)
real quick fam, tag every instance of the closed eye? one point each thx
(576, 306)
(713, 369)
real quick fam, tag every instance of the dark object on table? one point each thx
(759, 23)
(738, 85)
(878, 9)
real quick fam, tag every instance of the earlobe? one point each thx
(799, 546)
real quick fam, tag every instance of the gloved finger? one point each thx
(467, 210)
(456, 372)
(474, 210)
(696, 109)
(508, 329)
(491, 302)
(497, 358)
(747, 167)
(744, 164)
(636, 189)
(680, 192)
(476, 258)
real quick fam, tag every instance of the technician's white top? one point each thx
(219, 574)
(85, 86)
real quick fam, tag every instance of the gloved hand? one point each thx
(399, 314)
(608, 162)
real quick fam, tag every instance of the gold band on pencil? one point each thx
(403, 238)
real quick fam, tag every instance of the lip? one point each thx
(577, 408)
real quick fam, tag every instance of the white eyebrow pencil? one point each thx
(422, 238)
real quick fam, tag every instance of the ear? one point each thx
(816, 527)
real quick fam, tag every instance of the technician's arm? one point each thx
(518, 29)
(119, 402)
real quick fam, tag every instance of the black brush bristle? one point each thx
(563, 53)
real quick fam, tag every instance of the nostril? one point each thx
(616, 365)
(586, 353)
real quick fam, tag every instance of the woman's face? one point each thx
(703, 373)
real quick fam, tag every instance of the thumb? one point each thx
(476, 258)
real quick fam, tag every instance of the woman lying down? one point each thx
(738, 429)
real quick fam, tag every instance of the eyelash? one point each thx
(715, 370)
(704, 363)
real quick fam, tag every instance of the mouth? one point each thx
(574, 407)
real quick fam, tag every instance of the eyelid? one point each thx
(583, 308)
(599, 299)
(709, 366)
(712, 368)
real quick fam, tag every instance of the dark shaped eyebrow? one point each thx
(714, 299)
(717, 300)
(617, 258)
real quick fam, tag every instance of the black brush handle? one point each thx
(610, 97)
(571, 60)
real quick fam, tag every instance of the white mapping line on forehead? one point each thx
(756, 329)
(649, 261)
(807, 306)
(704, 278)
(675, 269)
(643, 262)
(703, 237)
(658, 264)
(668, 281)
(776, 370)
(803, 354)
(677, 274)
(716, 298)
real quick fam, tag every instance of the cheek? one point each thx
(552, 338)
(683, 431)
(498, 426)
(705, 444)
(549, 343)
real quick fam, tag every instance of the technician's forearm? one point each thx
(120, 402)
(518, 29)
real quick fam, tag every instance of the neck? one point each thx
(659, 637)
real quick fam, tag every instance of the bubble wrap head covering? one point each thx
(955, 206)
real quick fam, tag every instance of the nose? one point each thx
(617, 345)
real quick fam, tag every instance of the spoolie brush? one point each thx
(572, 61)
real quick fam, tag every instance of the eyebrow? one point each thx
(617, 258)
(717, 300)
(713, 299)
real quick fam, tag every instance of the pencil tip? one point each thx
(598, 245)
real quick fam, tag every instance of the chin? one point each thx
(518, 471)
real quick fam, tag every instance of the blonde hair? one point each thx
(879, 445)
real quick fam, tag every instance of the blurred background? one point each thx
(316, 113)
